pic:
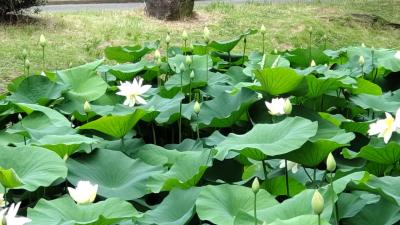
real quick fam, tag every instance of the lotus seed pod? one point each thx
(24, 54)
(188, 60)
(287, 108)
(361, 60)
(263, 30)
(42, 41)
(206, 35)
(87, 107)
(185, 36)
(317, 203)
(192, 75)
(167, 39)
(330, 163)
(182, 67)
(255, 186)
(197, 107)
(157, 54)
(312, 64)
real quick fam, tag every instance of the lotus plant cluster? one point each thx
(191, 129)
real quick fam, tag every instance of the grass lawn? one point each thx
(77, 37)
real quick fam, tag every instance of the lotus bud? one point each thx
(19, 116)
(27, 64)
(192, 75)
(264, 223)
(65, 158)
(363, 45)
(167, 39)
(182, 67)
(72, 118)
(263, 30)
(157, 54)
(310, 29)
(330, 163)
(197, 107)
(24, 54)
(317, 203)
(188, 60)
(287, 108)
(42, 41)
(84, 193)
(361, 60)
(312, 64)
(87, 107)
(159, 61)
(255, 186)
(397, 55)
(276, 51)
(185, 36)
(206, 35)
(324, 37)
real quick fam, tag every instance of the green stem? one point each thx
(263, 44)
(315, 174)
(184, 49)
(287, 179)
(154, 133)
(319, 219)
(207, 61)
(180, 112)
(310, 55)
(255, 208)
(122, 144)
(244, 49)
(264, 169)
(335, 214)
(190, 89)
(308, 175)
(43, 61)
(197, 127)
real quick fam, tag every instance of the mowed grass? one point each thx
(78, 37)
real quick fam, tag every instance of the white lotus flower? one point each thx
(397, 55)
(11, 216)
(385, 127)
(2, 202)
(132, 91)
(279, 106)
(84, 193)
(294, 167)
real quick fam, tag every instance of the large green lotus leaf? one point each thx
(277, 186)
(277, 81)
(301, 57)
(221, 204)
(385, 58)
(352, 203)
(123, 54)
(35, 166)
(176, 209)
(227, 46)
(270, 139)
(64, 211)
(116, 174)
(185, 173)
(366, 87)
(63, 145)
(377, 151)
(213, 115)
(128, 71)
(36, 89)
(9, 178)
(319, 86)
(385, 103)
(328, 138)
(383, 212)
(84, 82)
(56, 118)
(155, 155)
(199, 62)
(115, 125)
(356, 127)
(386, 186)
(301, 220)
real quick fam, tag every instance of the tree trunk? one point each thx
(169, 9)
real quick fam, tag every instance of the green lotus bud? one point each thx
(188, 60)
(42, 41)
(206, 34)
(276, 51)
(87, 107)
(312, 64)
(287, 108)
(181, 67)
(264, 223)
(197, 107)
(27, 64)
(317, 203)
(159, 61)
(397, 55)
(361, 60)
(192, 75)
(310, 29)
(157, 54)
(72, 118)
(255, 186)
(363, 45)
(24, 54)
(19, 116)
(330, 163)
(185, 36)
(167, 39)
(263, 30)
(324, 37)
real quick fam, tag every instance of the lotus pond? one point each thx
(200, 134)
